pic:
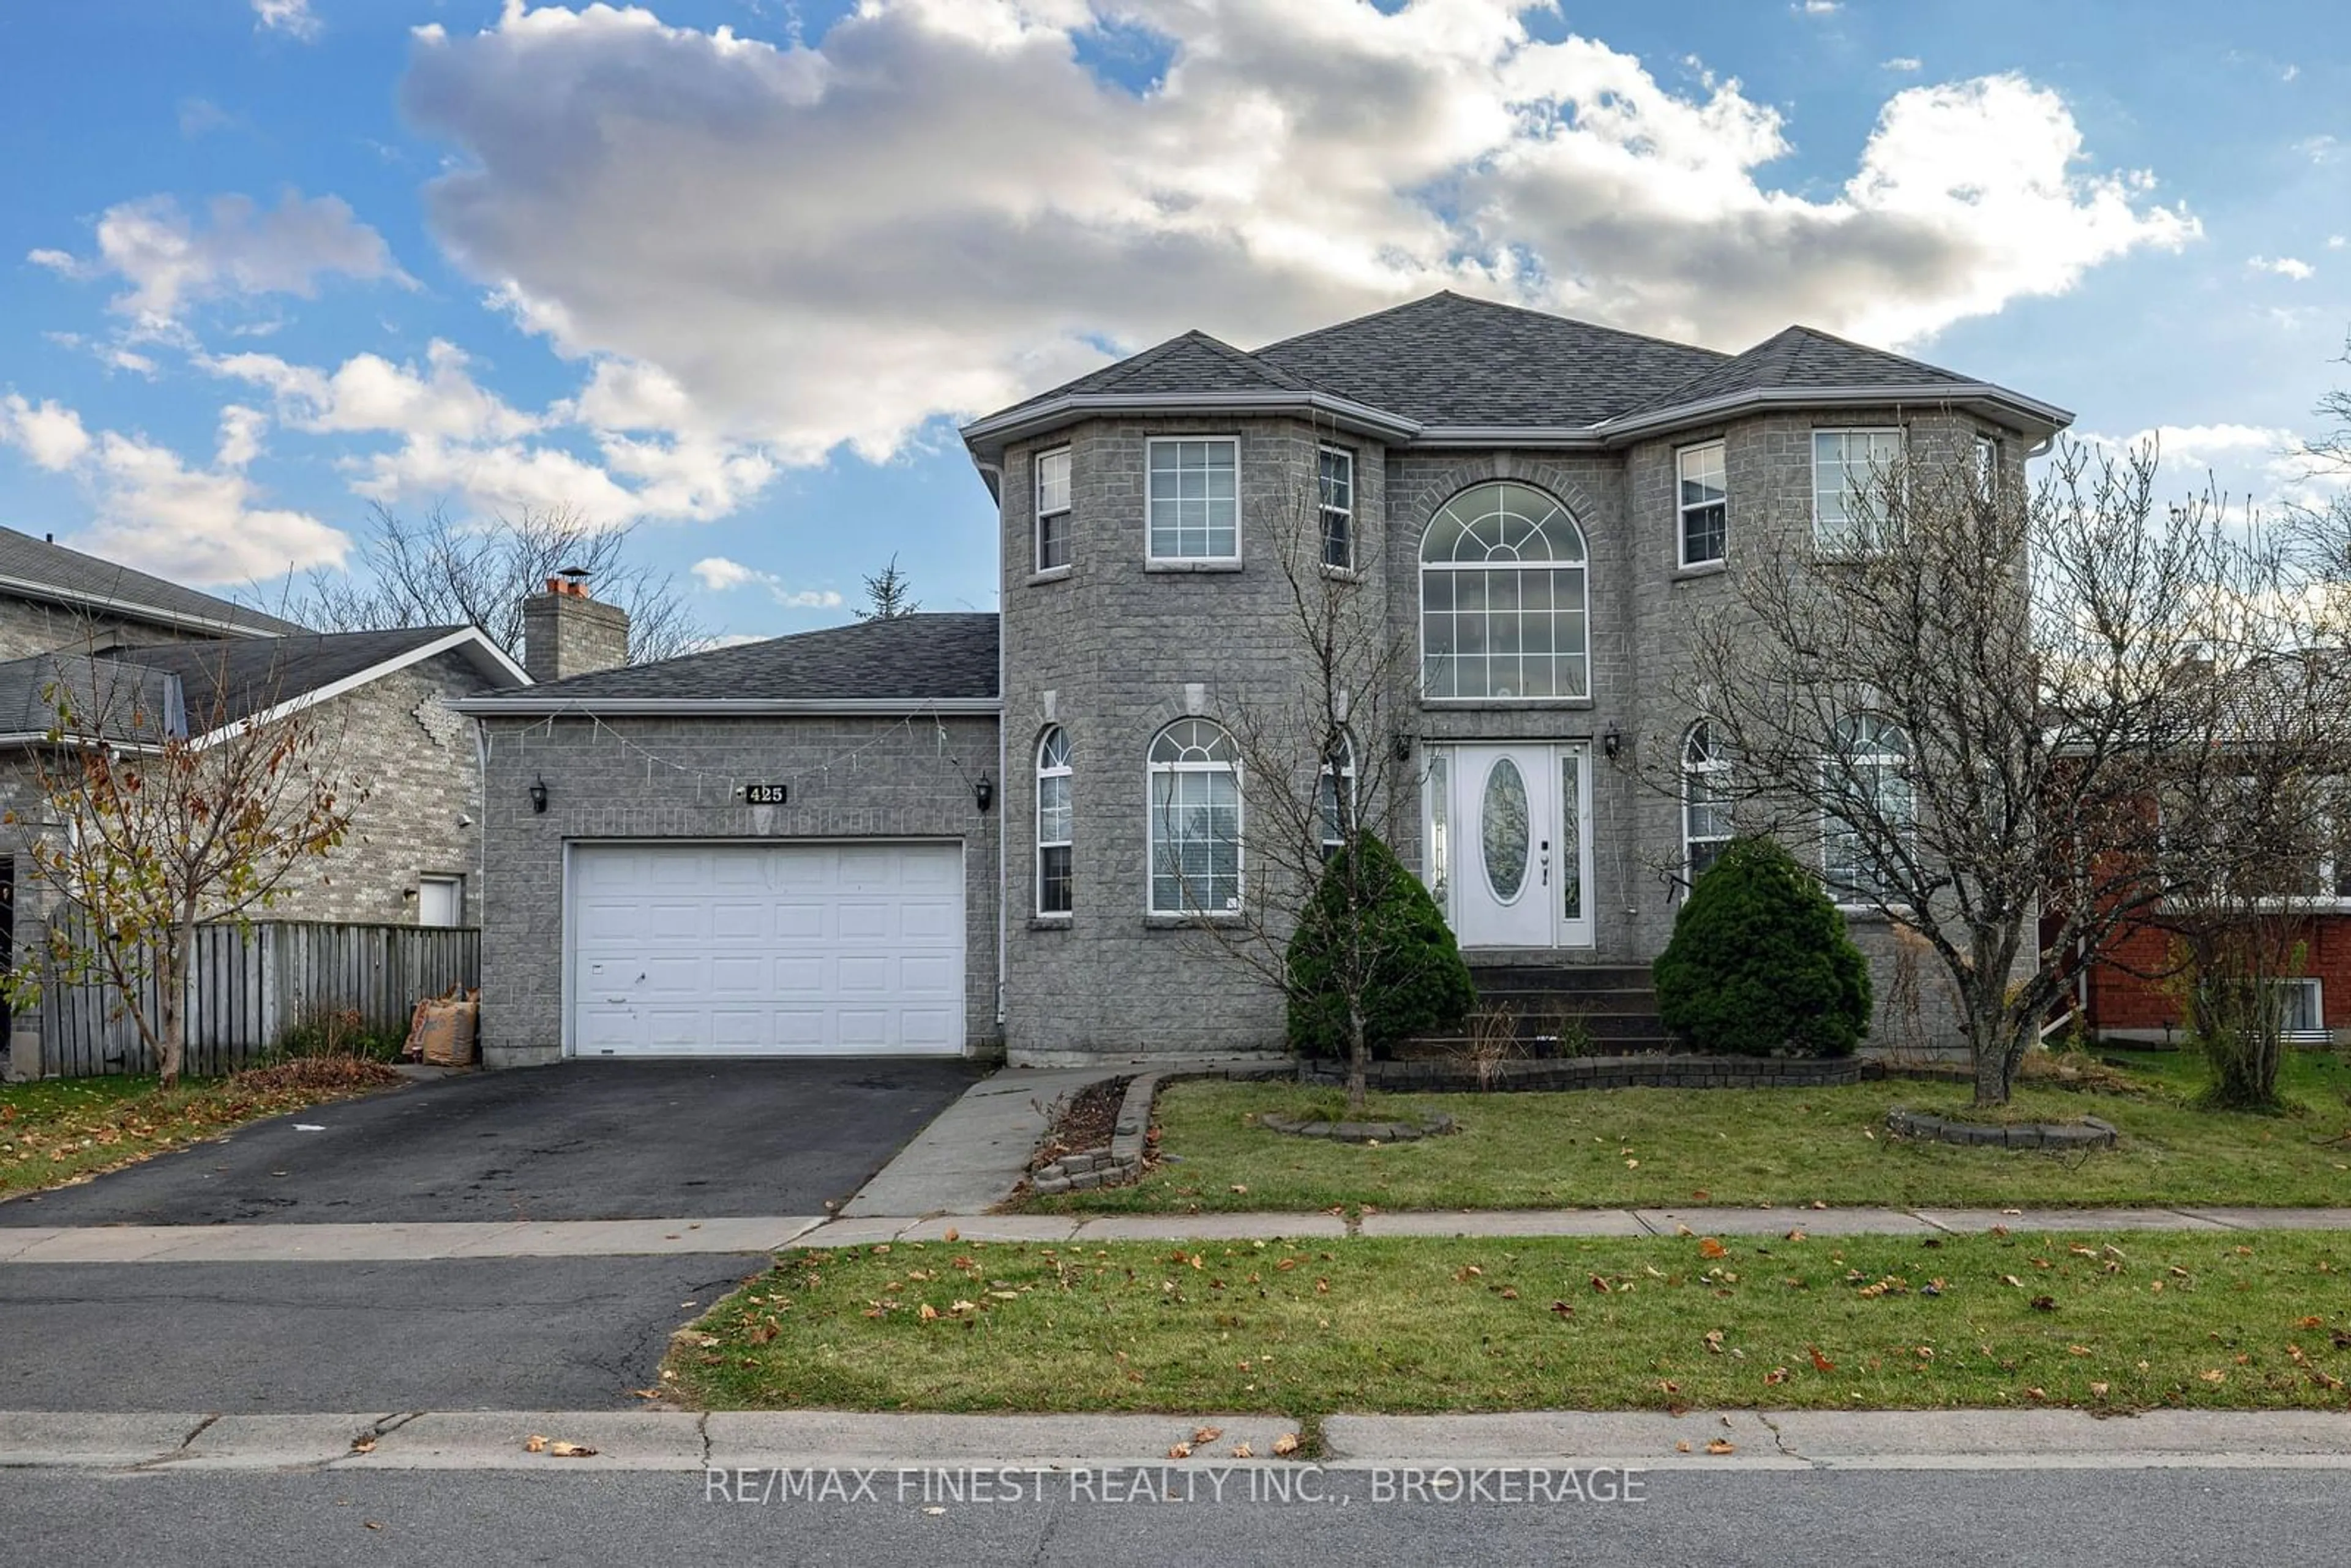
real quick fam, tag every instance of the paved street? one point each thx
(2080, 1519)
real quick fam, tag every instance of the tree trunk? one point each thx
(1988, 1049)
(1359, 1056)
(172, 984)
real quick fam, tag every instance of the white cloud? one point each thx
(719, 575)
(289, 16)
(937, 210)
(240, 435)
(1816, 7)
(2336, 242)
(49, 433)
(2283, 266)
(1906, 63)
(457, 439)
(151, 508)
(171, 260)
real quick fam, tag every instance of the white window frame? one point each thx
(2318, 1033)
(1582, 566)
(1150, 502)
(1848, 539)
(1326, 511)
(1153, 769)
(1045, 514)
(1684, 507)
(1716, 764)
(1328, 782)
(1055, 765)
(455, 883)
(1884, 764)
(1987, 459)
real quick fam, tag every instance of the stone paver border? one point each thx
(2089, 1133)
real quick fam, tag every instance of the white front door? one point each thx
(1514, 821)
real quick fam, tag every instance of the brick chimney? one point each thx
(565, 633)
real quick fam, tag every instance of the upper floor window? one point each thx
(1987, 469)
(1705, 505)
(1706, 827)
(1503, 605)
(1194, 500)
(1053, 510)
(1337, 495)
(1053, 824)
(1195, 820)
(1851, 469)
(1873, 810)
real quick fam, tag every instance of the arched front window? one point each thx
(1195, 820)
(1054, 838)
(1504, 612)
(1705, 798)
(1872, 808)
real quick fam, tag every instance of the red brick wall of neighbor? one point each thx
(2121, 1000)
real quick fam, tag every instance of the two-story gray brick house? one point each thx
(1539, 502)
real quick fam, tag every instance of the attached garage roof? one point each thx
(943, 662)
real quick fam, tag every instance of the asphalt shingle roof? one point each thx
(1802, 357)
(1195, 362)
(227, 678)
(109, 697)
(911, 658)
(1449, 360)
(86, 578)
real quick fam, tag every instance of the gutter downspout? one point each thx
(994, 475)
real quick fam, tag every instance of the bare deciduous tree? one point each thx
(444, 572)
(156, 812)
(1324, 770)
(1970, 711)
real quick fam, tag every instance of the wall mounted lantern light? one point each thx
(538, 796)
(1403, 746)
(984, 791)
(1612, 743)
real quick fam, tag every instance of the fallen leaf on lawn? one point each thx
(1468, 1271)
(1563, 1309)
(1775, 1378)
(2213, 1374)
(1722, 1446)
(2013, 1280)
(1180, 1451)
(1285, 1265)
(1239, 1188)
(1682, 1230)
(1999, 1230)
(962, 1307)
(2098, 1390)
(1243, 1452)
(2036, 1394)
(1798, 1235)
(1714, 1341)
(2044, 1304)
(2309, 1323)
(1285, 1445)
(952, 1236)
(928, 1312)
(1601, 1285)
(2077, 1350)
(1821, 1363)
(1207, 1435)
(1818, 1203)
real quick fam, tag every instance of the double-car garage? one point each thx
(764, 949)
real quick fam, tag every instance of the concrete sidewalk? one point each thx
(674, 1440)
(404, 1243)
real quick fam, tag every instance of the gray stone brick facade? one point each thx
(1111, 648)
(629, 778)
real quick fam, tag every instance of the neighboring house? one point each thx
(822, 842)
(168, 660)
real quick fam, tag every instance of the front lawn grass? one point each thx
(1659, 1147)
(57, 1130)
(2247, 1321)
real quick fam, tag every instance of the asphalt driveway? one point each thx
(584, 1140)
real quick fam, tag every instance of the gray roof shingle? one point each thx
(79, 578)
(933, 657)
(229, 679)
(108, 697)
(1194, 362)
(1801, 357)
(1449, 360)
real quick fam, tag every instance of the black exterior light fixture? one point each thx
(1612, 743)
(538, 796)
(984, 792)
(1403, 745)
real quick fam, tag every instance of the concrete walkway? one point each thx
(400, 1243)
(658, 1439)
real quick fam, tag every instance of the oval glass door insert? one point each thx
(1503, 830)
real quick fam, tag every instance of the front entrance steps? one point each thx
(1584, 1010)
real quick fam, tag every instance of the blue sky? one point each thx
(731, 270)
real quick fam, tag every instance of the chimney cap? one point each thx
(576, 573)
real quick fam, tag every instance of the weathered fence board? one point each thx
(246, 988)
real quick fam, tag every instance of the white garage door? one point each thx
(766, 949)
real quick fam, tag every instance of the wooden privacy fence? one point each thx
(246, 988)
